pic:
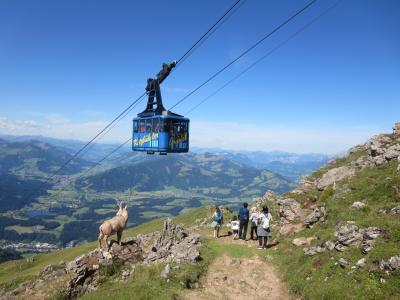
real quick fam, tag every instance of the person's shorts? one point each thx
(235, 231)
(215, 224)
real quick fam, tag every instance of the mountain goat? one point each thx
(116, 224)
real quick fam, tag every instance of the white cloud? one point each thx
(227, 135)
(52, 118)
(244, 136)
(67, 130)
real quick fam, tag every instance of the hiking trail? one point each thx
(239, 278)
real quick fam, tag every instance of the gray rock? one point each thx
(358, 205)
(371, 233)
(349, 234)
(329, 245)
(307, 185)
(361, 263)
(335, 175)
(396, 129)
(316, 215)
(313, 250)
(393, 152)
(391, 264)
(340, 247)
(395, 210)
(343, 263)
(290, 210)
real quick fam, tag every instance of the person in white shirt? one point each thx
(235, 227)
(263, 228)
(253, 223)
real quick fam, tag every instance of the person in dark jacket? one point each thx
(244, 221)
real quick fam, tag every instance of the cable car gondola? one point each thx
(157, 129)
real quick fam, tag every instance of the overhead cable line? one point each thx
(264, 56)
(244, 53)
(141, 96)
(208, 31)
(123, 113)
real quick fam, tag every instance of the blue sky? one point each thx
(69, 67)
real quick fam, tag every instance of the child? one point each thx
(235, 227)
(253, 220)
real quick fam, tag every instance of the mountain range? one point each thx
(36, 209)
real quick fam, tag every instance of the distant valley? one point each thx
(69, 208)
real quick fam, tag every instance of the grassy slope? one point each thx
(326, 280)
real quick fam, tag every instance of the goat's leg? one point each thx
(101, 236)
(119, 235)
(106, 238)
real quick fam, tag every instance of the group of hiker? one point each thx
(259, 224)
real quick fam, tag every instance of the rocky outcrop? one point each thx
(84, 268)
(391, 264)
(348, 234)
(290, 210)
(334, 175)
(318, 214)
(351, 235)
(380, 150)
(171, 245)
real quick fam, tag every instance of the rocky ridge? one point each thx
(172, 245)
(296, 216)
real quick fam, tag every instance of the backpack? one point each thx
(218, 217)
(243, 215)
(265, 222)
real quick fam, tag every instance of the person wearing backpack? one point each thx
(217, 221)
(244, 221)
(253, 223)
(263, 229)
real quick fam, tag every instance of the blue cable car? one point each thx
(157, 129)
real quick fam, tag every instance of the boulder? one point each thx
(358, 205)
(343, 263)
(395, 210)
(391, 264)
(396, 129)
(361, 263)
(301, 241)
(290, 210)
(334, 175)
(349, 234)
(393, 152)
(307, 185)
(316, 215)
(369, 236)
(313, 250)
(371, 233)
(329, 245)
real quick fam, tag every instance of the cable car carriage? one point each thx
(157, 129)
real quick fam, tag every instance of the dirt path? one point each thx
(239, 278)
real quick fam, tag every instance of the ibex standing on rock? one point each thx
(116, 224)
